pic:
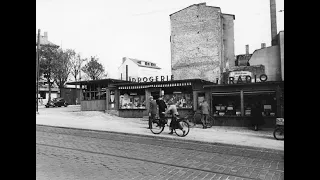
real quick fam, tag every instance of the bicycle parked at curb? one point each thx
(195, 118)
(158, 125)
(278, 132)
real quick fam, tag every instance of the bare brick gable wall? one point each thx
(197, 43)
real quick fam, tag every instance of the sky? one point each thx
(140, 29)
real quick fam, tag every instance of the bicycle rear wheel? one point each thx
(185, 129)
(210, 121)
(156, 126)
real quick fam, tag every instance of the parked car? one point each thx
(57, 102)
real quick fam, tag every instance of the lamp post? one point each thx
(38, 68)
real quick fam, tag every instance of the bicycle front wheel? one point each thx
(185, 129)
(156, 127)
(278, 133)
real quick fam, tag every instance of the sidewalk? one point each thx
(72, 117)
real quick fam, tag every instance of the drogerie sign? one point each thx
(152, 79)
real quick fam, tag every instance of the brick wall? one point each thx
(197, 43)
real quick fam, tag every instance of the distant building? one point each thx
(44, 40)
(202, 42)
(272, 58)
(44, 91)
(134, 69)
(243, 59)
(266, 60)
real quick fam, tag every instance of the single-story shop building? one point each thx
(230, 104)
(131, 99)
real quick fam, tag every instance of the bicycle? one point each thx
(157, 126)
(196, 118)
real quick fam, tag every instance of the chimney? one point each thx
(247, 49)
(45, 35)
(273, 16)
(123, 59)
(263, 45)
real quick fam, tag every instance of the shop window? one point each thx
(94, 92)
(132, 99)
(266, 101)
(181, 96)
(226, 104)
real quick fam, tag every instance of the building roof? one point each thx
(234, 17)
(44, 41)
(195, 5)
(99, 81)
(141, 65)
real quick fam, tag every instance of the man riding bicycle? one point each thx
(172, 109)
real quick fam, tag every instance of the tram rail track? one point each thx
(144, 160)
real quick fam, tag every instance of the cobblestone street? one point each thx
(63, 153)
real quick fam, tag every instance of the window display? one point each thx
(183, 100)
(132, 100)
(267, 100)
(226, 104)
(182, 96)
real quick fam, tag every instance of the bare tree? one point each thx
(76, 62)
(61, 68)
(93, 69)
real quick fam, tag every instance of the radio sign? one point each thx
(248, 79)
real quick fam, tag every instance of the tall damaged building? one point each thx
(202, 42)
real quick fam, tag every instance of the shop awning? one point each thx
(156, 85)
(245, 93)
(226, 93)
(259, 92)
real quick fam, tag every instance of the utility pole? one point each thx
(37, 71)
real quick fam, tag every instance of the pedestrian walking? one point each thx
(204, 106)
(172, 109)
(162, 107)
(152, 111)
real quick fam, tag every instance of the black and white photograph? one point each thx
(160, 90)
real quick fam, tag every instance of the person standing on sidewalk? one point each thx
(152, 111)
(162, 108)
(256, 116)
(204, 106)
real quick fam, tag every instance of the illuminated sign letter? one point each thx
(162, 78)
(263, 79)
(248, 79)
(231, 80)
